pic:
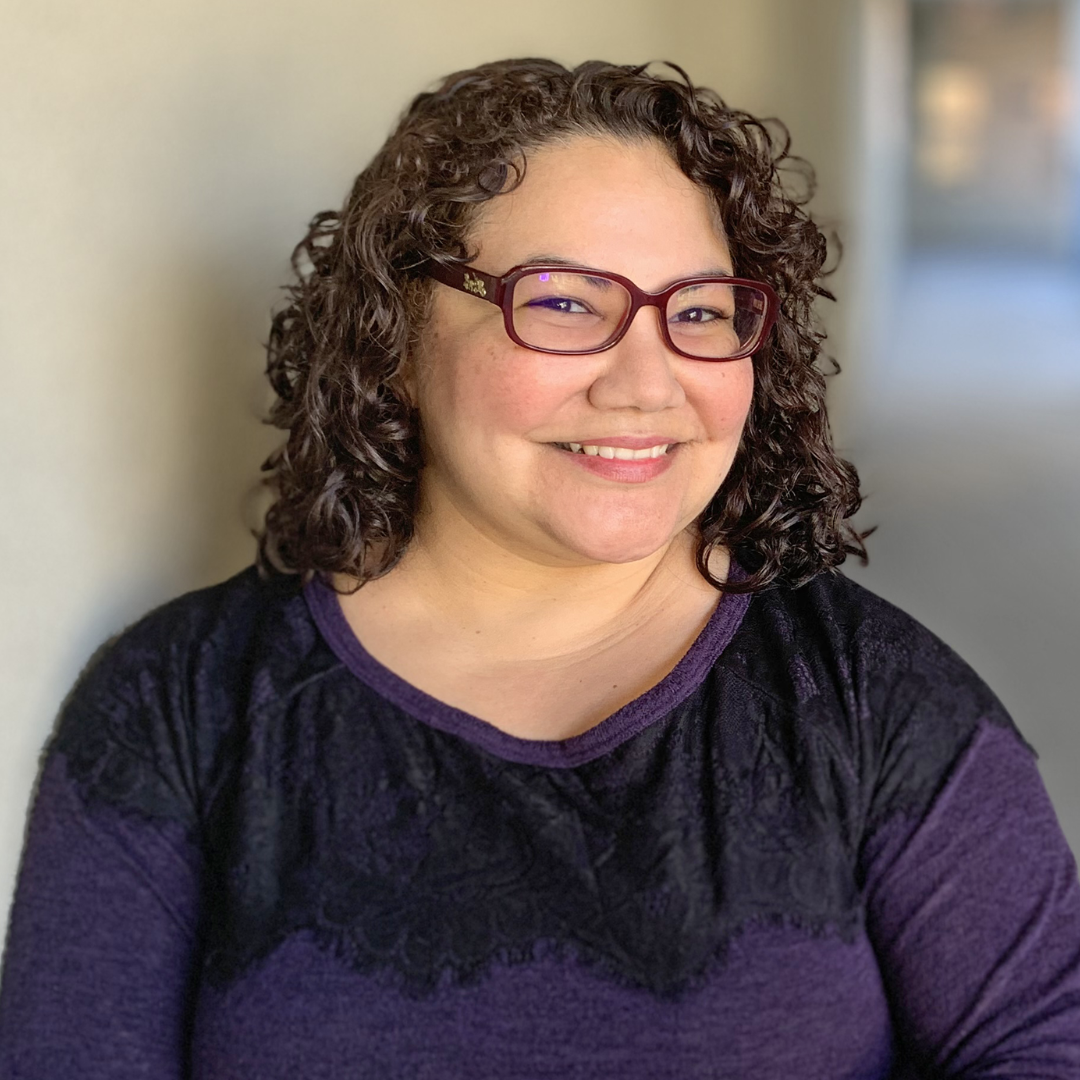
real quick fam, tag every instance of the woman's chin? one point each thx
(616, 546)
(620, 526)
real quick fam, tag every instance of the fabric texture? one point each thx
(818, 848)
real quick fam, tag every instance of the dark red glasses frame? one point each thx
(500, 292)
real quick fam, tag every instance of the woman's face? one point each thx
(497, 418)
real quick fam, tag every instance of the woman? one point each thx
(546, 744)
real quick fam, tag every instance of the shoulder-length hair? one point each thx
(346, 479)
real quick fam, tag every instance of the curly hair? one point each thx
(346, 480)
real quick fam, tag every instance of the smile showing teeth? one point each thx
(620, 453)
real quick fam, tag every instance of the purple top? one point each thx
(816, 849)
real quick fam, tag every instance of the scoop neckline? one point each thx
(634, 717)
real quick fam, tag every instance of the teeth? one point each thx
(619, 453)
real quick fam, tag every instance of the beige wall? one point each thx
(159, 161)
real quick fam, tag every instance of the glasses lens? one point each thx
(714, 319)
(568, 311)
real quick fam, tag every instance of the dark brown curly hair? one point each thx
(346, 480)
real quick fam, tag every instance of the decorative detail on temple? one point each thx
(474, 285)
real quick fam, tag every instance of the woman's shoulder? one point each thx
(145, 721)
(836, 610)
(231, 607)
(834, 665)
(203, 632)
(833, 635)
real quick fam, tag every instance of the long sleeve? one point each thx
(973, 907)
(103, 942)
(101, 945)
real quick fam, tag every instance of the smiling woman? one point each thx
(546, 740)
(604, 530)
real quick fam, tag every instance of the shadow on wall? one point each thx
(230, 439)
(193, 403)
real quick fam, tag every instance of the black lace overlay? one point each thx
(322, 808)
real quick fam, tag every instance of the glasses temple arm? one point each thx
(468, 280)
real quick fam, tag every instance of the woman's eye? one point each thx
(699, 315)
(563, 304)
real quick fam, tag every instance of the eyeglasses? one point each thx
(570, 310)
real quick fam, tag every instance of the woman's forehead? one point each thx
(592, 195)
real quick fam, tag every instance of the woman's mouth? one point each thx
(622, 464)
(616, 453)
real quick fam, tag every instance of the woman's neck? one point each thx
(516, 605)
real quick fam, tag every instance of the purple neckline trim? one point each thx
(628, 721)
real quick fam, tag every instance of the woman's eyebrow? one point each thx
(543, 257)
(556, 260)
(708, 273)
(559, 260)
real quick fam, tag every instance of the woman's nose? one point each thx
(640, 371)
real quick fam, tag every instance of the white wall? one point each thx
(159, 161)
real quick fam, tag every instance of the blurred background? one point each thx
(160, 160)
